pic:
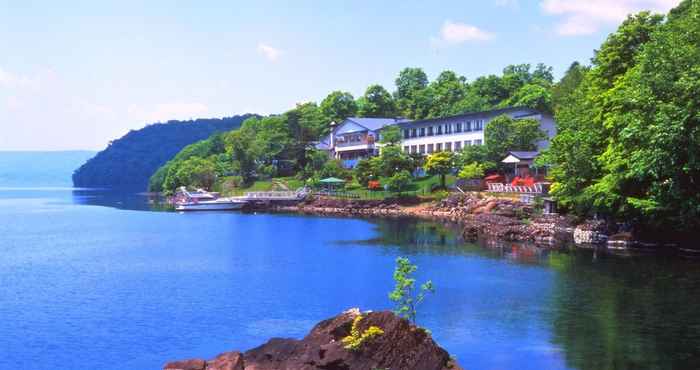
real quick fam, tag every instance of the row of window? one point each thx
(430, 148)
(446, 129)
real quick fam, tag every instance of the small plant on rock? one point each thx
(404, 296)
(355, 340)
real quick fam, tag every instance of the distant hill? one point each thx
(40, 169)
(129, 161)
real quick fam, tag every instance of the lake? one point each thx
(96, 279)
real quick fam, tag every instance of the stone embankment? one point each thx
(400, 345)
(478, 216)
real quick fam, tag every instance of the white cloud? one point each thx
(14, 80)
(269, 52)
(453, 33)
(585, 17)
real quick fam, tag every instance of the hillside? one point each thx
(129, 161)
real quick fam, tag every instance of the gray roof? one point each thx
(324, 143)
(489, 113)
(375, 123)
(524, 155)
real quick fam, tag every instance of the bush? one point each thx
(399, 182)
(471, 171)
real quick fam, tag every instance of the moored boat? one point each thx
(221, 204)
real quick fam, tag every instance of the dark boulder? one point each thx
(401, 346)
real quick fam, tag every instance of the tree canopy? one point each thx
(629, 135)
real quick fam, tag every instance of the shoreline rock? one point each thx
(400, 346)
(478, 217)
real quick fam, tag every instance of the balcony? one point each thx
(354, 143)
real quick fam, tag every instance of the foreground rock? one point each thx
(401, 346)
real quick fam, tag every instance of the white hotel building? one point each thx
(356, 138)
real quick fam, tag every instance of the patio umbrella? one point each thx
(331, 182)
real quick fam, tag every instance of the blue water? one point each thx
(98, 280)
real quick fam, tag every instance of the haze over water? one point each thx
(95, 279)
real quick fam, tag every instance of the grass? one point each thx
(291, 183)
(421, 187)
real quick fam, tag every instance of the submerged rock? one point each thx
(400, 346)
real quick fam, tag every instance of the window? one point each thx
(430, 148)
(448, 128)
(413, 132)
(406, 134)
(439, 130)
(448, 147)
(430, 130)
(405, 149)
(414, 149)
(468, 126)
(479, 125)
(422, 132)
(467, 142)
(421, 149)
(438, 147)
(458, 146)
(477, 142)
(458, 127)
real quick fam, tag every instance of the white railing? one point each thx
(508, 188)
(276, 195)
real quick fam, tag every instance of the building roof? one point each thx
(324, 143)
(375, 123)
(524, 155)
(488, 113)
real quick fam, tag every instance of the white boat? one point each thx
(202, 200)
(221, 204)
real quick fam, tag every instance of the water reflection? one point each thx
(597, 311)
(604, 312)
(119, 199)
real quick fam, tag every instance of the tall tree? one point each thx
(338, 106)
(447, 90)
(563, 90)
(409, 85)
(503, 134)
(625, 138)
(377, 102)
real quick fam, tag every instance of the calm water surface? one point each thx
(96, 280)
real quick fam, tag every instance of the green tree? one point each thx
(563, 90)
(410, 84)
(365, 172)
(334, 168)
(589, 120)
(391, 160)
(440, 163)
(532, 96)
(377, 102)
(399, 181)
(404, 295)
(447, 90)
(472, 170)
(338, 106)
(391, 135)
(504, 134)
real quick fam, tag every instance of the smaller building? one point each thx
(356, 138)
(522, 162)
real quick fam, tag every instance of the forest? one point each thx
(129, 161)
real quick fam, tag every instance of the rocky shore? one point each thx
(398, 345)
(477, 216)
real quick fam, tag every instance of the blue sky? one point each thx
(76, 74)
